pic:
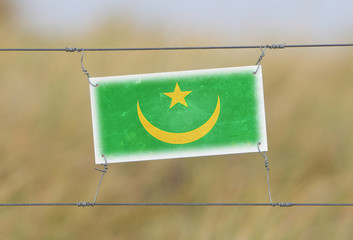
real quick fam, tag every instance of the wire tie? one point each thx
(260, 58)
(276, 46)
(263, 154)
(273, 46)
(85, 71)
(67, 49)
(105, 165)
(84, 204)
(283, 204)
(103, 172)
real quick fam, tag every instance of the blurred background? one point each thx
(46, 143)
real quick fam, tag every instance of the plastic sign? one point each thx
(178, 114)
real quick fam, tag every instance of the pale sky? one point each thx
(319, 21)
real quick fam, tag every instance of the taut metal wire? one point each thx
(85, 204)
(270, 46)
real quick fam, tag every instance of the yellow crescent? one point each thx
(180, 138)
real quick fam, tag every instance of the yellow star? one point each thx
(177, 96)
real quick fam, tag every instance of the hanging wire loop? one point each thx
(104, 171)
(263, 48)
(260, 58)
(280, 204)
(83, 68)
(263, 154)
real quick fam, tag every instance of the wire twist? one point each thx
(67, 49)
(260, 58)
(263, 154)
(104, 171)
(84, 204)
(83, 68)
(283, 204)
(263, 48)
(276, 46)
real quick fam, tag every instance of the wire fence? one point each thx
(94, 203)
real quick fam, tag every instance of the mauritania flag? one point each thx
(178, 114)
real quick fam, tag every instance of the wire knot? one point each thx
(84, 204)
(104, 171)
(261, 55)
(267, 164)
(283, 204)
(263, 48)
(85, 70)
(276, 46)
(105, 165)
(260, 58)
(67, 49)
(263, 154)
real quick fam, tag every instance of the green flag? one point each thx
(178, 114)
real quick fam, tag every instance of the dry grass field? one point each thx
(46, 145)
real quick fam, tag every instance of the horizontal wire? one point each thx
(270, 46)
(85, 204)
